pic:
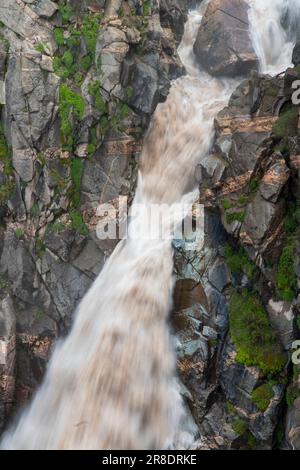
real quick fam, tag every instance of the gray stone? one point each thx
(223, 45)
(45, 8)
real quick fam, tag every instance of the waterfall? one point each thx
(110, 383)
(272, 42)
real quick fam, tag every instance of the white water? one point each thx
(110, 384)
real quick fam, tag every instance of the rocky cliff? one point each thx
(79, 82)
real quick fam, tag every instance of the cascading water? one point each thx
(272, 42)
(110, 384)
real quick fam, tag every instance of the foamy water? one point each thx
(111, 383)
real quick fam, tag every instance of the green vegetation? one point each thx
(66, 12)
(19, 232)
(77, 222)
(292, 220)
(226, 204)
(95, 91)
(287, 123)
(4, 284)
(239, 426)
(90, 29)
(56, 227)
(292, 393)
(253, 185)
(5, 154)
(255, 341)
(40, 47)
(7, 188)
(71, 105)
(238, 216)
(59, 36)
(35, 210)
(146, 8)
(76, 175)
(286, 279)
(262, 396)
(238, 261)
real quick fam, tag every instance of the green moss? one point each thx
(230, 408)
(40, 47)
(68, 59)
(56, 227)
(226, 204)
(255, 341)
(286, 279)
(95, 91)
(242, 201)
(5, 154)
(77, 222)
(146, 8)
(292, 393)
(71, 105)
(35, 210)
(262, 396)
(90, 30)
(66, 12)
(6, 191)
(292, 220)
(86, 63)
(58, 34)
(239, 426)
(76, 175)
(19, 232)
(238, 261)
(287, 123)
(59, 69)
(4, 284)
(238, 216)
(253, 185)
(40, 248)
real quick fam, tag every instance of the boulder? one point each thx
(223, 45)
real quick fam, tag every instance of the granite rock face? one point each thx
(223, 45)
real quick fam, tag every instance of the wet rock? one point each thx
(296, 54)
(223, 45)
